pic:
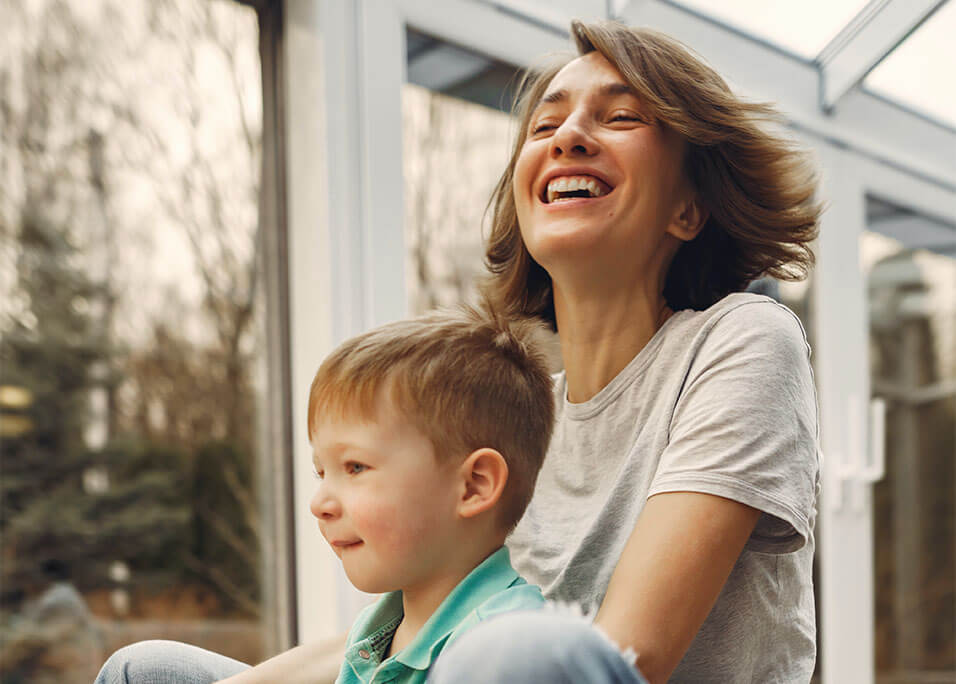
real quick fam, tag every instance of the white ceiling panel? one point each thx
(921, 72)
(802, 27)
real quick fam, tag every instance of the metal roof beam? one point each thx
(865, 41)
(443, 66)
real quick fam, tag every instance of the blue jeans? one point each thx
(516, 647)
(540, 646)
(166, 662)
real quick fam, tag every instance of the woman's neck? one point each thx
(600, 335)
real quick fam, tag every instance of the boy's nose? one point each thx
(324, 505)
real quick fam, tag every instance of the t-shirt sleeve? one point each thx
(744, 426)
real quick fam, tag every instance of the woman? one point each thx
(679, 493)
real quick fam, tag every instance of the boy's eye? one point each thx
(353, 468)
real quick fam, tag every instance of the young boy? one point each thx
(427, 438)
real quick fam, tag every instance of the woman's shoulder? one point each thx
(742, 308)
(744, 318)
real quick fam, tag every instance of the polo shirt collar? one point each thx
(492, 576)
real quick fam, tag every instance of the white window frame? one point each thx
(345, 65)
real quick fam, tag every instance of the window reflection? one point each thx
(457, 137)
(912, 297)
(131, 340)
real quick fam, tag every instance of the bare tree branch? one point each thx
(229, 536)
(249, 507)
(224, 584)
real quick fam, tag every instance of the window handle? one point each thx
(864, 460)
(875, 469)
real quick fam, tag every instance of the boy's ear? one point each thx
(484, 474)
(689, 218)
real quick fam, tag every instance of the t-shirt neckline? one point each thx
(608, 393)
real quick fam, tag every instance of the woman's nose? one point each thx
(324, 504)
(573, 138)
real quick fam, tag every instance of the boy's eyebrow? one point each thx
(607, 90)
(337, 449)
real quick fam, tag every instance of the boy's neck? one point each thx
(421, 602)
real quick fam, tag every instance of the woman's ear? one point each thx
(484, 474)
(689, 218)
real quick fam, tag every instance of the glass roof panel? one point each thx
(919, 72)
(803, 28)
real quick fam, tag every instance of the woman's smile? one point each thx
(564, 183)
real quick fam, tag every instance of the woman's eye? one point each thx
(541, 128)
(624, 117)
(353, 468)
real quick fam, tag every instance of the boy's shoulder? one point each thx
(517, 597)
(496, 587)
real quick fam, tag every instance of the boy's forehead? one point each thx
(379, 435)
(353, 406)
(382, 408)
(336, 420)
(332, 436)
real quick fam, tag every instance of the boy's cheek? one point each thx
(376, 518)
(391, 525)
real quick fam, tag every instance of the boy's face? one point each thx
(383, 501)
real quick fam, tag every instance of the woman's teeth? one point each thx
(571, 187)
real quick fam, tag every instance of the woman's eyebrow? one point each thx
(553, 97)
(617, 88)
(606, 90)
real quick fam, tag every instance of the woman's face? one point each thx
(596, 183)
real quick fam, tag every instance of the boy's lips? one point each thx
(346, 544)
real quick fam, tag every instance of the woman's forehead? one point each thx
(590, 73)
(590, 67)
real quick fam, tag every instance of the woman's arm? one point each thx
(744, 426)
(673, 567)
(310, 663)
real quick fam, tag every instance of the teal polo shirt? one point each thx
(492, 588)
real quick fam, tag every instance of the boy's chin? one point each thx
(369, 585)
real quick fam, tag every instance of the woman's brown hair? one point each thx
(758, 188)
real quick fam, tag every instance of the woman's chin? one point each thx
(560, 245)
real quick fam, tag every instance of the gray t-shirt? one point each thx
(721, 402)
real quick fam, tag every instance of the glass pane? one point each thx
(918, 73)
(456, 144)
(457, 137)
(131, 340)
(912, 299)
(803, 28)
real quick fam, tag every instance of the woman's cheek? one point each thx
(521, 183)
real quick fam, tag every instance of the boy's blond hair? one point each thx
(466, 378)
